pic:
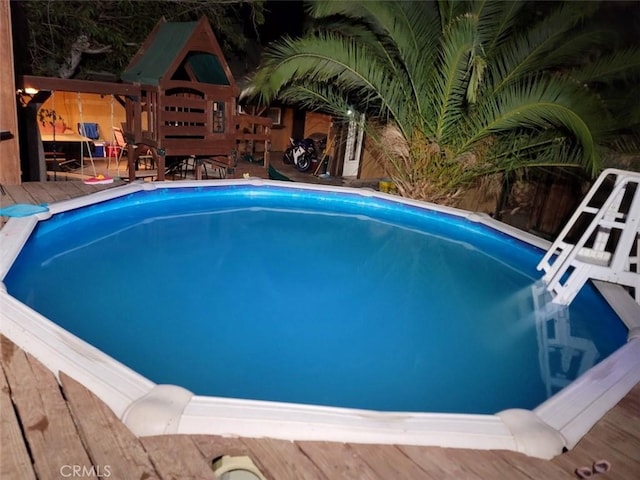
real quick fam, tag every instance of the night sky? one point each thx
(281, 17)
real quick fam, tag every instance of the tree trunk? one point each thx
(80, 46)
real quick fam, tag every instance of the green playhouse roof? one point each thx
(167, 43)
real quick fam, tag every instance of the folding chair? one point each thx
(145, 159)
(89, 130)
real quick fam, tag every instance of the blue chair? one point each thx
(89, 130)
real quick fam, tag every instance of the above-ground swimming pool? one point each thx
(272, 309)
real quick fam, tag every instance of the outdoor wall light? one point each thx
(30, 94)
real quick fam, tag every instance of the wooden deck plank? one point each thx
(282, 460)
(388, 461)
(77, 188)
(51, 435)
(614, 438)
(89, 189)
(177, 456)
(624, 418)
(6, 199)
(14, 457)
(592, 449)
(15, 194)
(213, 447)
(533, 468)
(59, 191)
(619, 436)
(64, 190)
(440, 463)
(36, 193)
(338, 461)
(40, 192)
(579, 456)
(488, 464)
(631, 402)
(109, 442)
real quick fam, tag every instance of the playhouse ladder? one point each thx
(600, 241)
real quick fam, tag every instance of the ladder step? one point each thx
(596, 257)
(568, 266)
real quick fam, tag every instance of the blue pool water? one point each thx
(310, 297)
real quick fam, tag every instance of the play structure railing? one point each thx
(182, 125)
(183, 128)
(186, 117)
(252, 131)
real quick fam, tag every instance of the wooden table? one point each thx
(71, 144)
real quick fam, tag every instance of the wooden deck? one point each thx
(55, 428)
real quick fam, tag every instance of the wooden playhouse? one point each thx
(180, 101)
(187, 103)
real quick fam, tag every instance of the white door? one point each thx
(353, 148)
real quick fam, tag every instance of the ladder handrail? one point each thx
(628, 232)
(595, 223)
(544, 262)
(573, 264)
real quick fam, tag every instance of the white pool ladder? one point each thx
(556, 341)
(600, 241)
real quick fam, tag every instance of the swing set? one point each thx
(57, 159)
(47, 88)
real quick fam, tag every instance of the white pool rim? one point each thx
(151, 409)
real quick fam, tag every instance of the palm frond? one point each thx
(450, 82)
(408, 31)
(620, 66)
(521, 149)
(527, 53)
(339, 61)
(497, 20)
(449, 10)
(474, 87)
(317, 97)
(578, 47)
(626, 141)
(536, 106)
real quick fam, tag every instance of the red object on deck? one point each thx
(113, 151)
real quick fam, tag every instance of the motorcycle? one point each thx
(300, 153)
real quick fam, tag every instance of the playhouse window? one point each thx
(205, 68)
(218, 117)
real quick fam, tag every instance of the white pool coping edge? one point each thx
(150, 409)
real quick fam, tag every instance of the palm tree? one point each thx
(472, 88)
